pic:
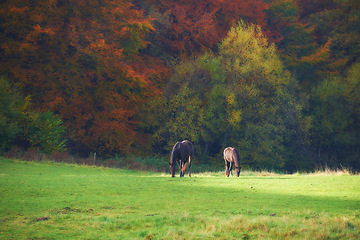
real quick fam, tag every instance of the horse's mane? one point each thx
(173, 152)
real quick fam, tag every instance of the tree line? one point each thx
(277, 79)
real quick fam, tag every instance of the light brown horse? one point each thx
(231, 156)
(181, 153)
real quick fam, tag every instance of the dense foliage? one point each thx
(277, 79)
(21, 125)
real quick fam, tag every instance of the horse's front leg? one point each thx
(226, 168)
(179, 164)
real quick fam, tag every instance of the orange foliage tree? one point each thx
(186, 28)
(81, 60)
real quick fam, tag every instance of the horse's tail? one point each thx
(236, 158)
(192, 149)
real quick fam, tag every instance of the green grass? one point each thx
(46, 200)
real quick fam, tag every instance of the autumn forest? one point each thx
(277, 79)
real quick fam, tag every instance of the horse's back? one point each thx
(188, 147)
(228, 149)
(231, 154)
(227, 154)
(187, 142)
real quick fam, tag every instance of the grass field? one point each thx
(46, 200)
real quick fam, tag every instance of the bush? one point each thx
(22, 127)
(12, 106)
(45, 131)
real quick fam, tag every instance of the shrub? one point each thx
(12, 107)
(22, 127)
(45, 131)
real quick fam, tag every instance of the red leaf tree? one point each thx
(185, 28)
(81, 60)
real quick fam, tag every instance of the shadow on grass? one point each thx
(247, 198)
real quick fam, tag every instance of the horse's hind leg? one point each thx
(181, 168)
(184, 168)
(226, 169)
(230, 169)
(190, 166)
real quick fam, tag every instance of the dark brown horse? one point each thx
(231, 156)
(181, 153)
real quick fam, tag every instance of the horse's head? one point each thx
(237, 170)
(172, 169)
(174, 156)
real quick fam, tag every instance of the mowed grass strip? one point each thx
(46, 200)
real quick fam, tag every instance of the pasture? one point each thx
(47, 200)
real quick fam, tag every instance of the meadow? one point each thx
(49, 200)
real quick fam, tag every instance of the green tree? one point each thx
(340, 22)
(336, 119)
(294, 37)
(243, 97)
(12, 107)
(23, 127)
(45, 131)
(265, 95)
(192, 106)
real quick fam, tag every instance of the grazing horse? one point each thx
(231, 156)
(181, 153)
